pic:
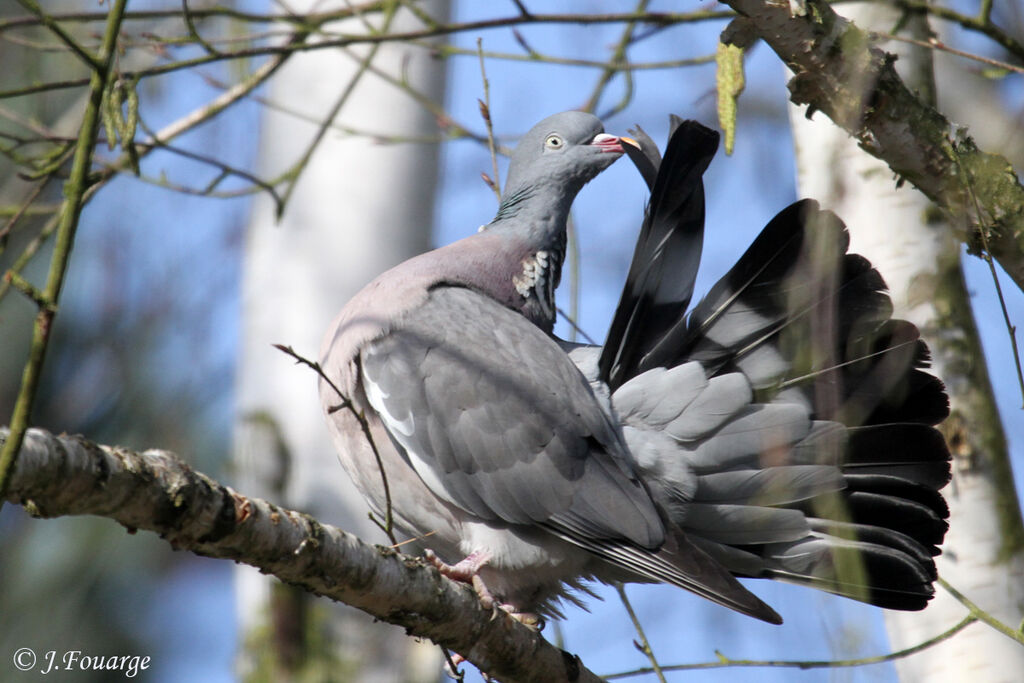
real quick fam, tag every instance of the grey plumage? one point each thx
(687, 450)
(528, 455)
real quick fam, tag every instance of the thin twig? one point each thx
(346, 404)
(725, 662)
(30, 250)
(314, 20)
(193, 32)
(22, 209)
(979, 25)
(303, 162)
(451, 127)
(576, 328)
(521, 7)
(644, 645)
(32, 125)
(985, 12)
(224, 11)
(225, 169)
(376, 136)
(986, 256)
(28, 289)
(936, 44)
(981, 615)
(90, 60)
(485, 112)
(617, 64)
(572, 243)
(171, 131)
(657, 18)
(547, 59)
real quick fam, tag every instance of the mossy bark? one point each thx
(838, 71)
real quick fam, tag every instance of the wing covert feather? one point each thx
(496, 419)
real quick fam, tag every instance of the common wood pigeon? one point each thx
(780, 429)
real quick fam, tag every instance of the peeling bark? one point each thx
(156, 491)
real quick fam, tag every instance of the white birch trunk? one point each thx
(919, 260)
(359, 207)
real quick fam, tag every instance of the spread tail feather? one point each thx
(827, 475)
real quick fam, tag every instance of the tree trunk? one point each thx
(896, 229)
(359, 207)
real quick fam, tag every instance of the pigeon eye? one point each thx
(554, 142)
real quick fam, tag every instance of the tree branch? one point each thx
(838, 70)
(156, 491)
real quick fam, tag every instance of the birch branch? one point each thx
(838, 71)
(156, 491)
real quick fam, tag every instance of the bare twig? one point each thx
(344, 41)
(388, 525)
(725, 662)
(644, 645)
(451, 127)
(575, 328)
(981, 615)
(22, 209)
(296, 171)
(936, 44)
(572, 243)
(617, 64)
(90, 60)
(485, 113)
(980, 24)
(193, 32)
(171, 131)
(31, 249)
(225, 169)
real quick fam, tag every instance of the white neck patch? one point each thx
(535, 269)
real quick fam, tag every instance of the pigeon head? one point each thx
(559, 155)
(550, 165)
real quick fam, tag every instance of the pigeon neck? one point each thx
(539, 210)
(535, 216)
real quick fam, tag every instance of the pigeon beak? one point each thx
(608, 143)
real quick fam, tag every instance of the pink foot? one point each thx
(466, 571)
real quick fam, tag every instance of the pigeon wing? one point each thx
(497, 420)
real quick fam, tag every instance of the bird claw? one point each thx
(466, 570)
(484, 593)
(530, 620)
(463, 571)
